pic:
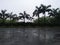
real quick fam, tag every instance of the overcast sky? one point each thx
(17, 6)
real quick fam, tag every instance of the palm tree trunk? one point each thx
(44, 19)
(24, 20)
(38, 19)
(3, 19)
(10, 19)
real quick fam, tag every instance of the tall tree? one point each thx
(45, 9)
(3, 15)
(36, 12)
(24, 16)
(55, 13)
(13, 16)
(42, 9)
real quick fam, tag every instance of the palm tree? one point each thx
(37, 12)
(42, 9)
(13, 16)
(45, 9)
(3, 15)
(24, 16)
(55, 13)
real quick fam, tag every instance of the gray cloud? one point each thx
(29, 5)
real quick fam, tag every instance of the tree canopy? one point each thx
(53, 17)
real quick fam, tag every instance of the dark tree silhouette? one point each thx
(24, 16)
(55, 13)
(42, 9)
(13, 16)
(45, 9)
(3, 15)
(37, 12)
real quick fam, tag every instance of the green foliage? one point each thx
(24, 16)
(56, 14)
(8, 19)
(41, 9)
(48, 21)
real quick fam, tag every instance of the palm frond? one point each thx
(37, 7)
(48, 10)
(57, 9)
(21, 13)
(34, 13)
(0, 14)
(25, 13)
(21, 17)
(48, 6)
(3, 11)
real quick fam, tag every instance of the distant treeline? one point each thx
(53, 18)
